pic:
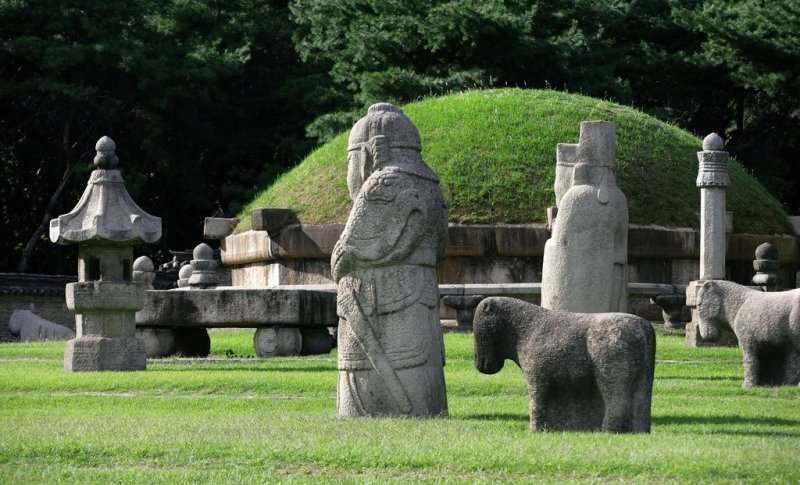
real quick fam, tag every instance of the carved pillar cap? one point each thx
(713, 170)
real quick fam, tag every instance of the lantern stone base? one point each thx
(96, 353)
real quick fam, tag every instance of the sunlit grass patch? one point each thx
(234, 420)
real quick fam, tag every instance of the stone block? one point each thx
(520, 240)
(467, 240)
(272, 220)
(96, 353)
(218, 227)
(277, 341)
(240, 307)
(157, 342)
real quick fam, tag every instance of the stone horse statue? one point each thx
(585, 371)
(766, 324)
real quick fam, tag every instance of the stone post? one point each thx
(767, 265)
(204, 268)
(105, 224)
(158, 342)
(712, 179)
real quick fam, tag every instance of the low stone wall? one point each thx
(502, 253)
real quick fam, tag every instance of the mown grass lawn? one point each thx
(239, 419)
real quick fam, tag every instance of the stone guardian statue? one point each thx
(391, 352)
(585, 260)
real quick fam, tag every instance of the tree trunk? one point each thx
(69, 156)
(740, 98)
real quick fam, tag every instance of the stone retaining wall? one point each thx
(300, 254)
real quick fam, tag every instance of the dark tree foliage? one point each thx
(756, 45)
(204, 100)
(724, 66)
(209, 100)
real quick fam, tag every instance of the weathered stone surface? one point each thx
(596, 146)
(391, 351)
(585, 260)
(192, 342)
(316, 340)
(106, 223)
(183, 275)
(29, 326)
(465, 308)
(240, 307)
(157, 342)
(144, 271)
(204, 268)
(106, 211)
(767, 326)
(712, 178)
(218, 227)
(585, 371)
(277, 341)
(767, 266)
(272, 220)
(671, 308)
(98, 353)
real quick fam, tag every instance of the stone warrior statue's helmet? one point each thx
(384, 136)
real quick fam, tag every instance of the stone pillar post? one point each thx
(158, 342)
(712, 179)
(767, 265)
(105, 224)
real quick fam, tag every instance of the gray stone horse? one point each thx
(585, 371)
(766, 324)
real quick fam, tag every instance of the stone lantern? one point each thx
(106, 224)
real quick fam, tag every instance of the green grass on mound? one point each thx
(495, 153)
(235, 420)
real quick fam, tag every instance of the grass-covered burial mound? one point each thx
(495, 154)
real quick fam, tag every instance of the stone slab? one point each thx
(242, 307)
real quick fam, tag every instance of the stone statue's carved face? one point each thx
(593, 175)
(357, 168)
(377, 139)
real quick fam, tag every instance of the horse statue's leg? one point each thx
(536, 392)
(751, 363)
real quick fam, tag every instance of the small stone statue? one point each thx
(391, 351)
(767, 265)
(767, 325)
(585, 372)
(585, 260)
(29, 326)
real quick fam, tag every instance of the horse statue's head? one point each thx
(488, 327)
(710, 310)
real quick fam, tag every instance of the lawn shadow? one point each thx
(497, 417)
(254, 367)
(699, 378)
(766, 425)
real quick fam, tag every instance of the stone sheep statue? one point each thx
(585, 371)
(766, 324)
